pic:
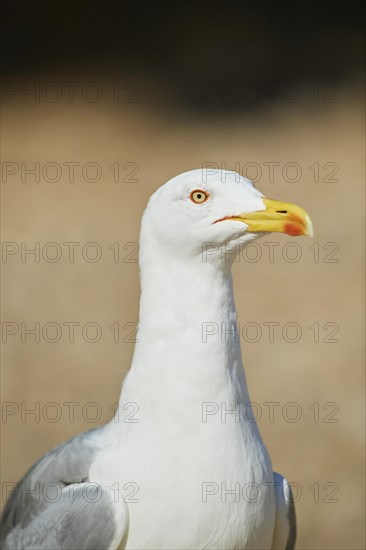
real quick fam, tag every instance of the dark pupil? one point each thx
(199, 195)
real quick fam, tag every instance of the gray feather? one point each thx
(284, 535)
(291, 517)
(55, 506)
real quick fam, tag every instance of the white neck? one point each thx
(188, 351)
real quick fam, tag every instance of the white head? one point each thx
(203, 208)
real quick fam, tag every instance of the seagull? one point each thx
(182, 465)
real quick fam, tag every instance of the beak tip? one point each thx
(309, 227)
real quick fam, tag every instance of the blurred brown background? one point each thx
(272, 90)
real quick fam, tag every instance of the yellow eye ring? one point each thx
(198, 196)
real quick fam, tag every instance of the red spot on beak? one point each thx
(293, 229)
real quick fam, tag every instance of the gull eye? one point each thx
(198, 196)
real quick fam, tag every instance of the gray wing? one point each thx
(284, 536)
(56, 506)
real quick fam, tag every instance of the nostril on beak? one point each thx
(281, 211)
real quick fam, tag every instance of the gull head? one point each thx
(214, 208)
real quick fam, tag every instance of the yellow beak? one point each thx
(282, 217)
